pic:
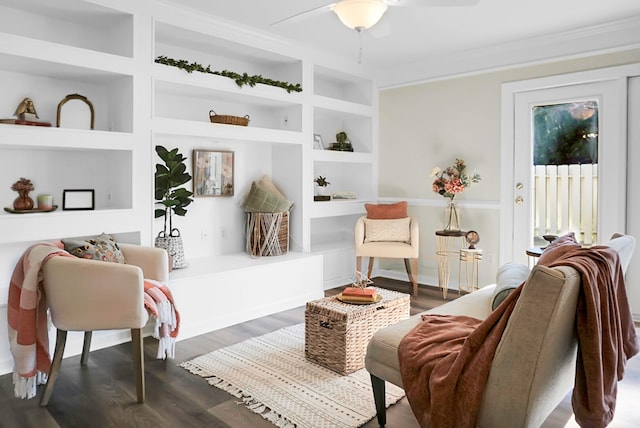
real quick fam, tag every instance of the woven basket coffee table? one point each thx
(337, 333)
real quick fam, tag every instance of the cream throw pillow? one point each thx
(395, 230)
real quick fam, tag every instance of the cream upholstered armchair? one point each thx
(389, 238)
(87, 295)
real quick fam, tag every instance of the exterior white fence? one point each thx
(566, 200)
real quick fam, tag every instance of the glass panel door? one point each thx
(569, 165)
(565, 163)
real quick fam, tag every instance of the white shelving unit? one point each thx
(49, 50)
(342, 102)
(181, 108)
(67, 52)
(105, 50)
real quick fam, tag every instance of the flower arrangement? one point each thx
(22, 186)
(453, 179)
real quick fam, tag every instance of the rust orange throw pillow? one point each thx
(386, 211)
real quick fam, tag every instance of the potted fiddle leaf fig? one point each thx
(172, 198)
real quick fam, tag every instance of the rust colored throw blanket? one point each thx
(28, 322)
(445, 360)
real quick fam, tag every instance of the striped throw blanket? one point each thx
(28, 322)
(159, 302)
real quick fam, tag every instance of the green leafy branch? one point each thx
(240, 79)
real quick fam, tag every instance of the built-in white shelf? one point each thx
(41, 137)
(204, 266)
(218, 131)
(331, 83)
(80, 24)
(208, 46)
(53, 59)
(337, 207)
(61, 224)
(344, 107)
(234, 288)
(218, 85)
(192, 102)
(342, 157)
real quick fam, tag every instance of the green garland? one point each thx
(240, 79)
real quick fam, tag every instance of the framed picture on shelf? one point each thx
(317, 142)
(78, 199)
(212, 173)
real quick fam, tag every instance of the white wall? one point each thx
(432, 123)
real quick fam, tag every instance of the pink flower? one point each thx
(453, 186)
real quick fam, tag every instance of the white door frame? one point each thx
(633, 207)
(507, 187)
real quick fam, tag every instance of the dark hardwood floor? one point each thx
(102, 394)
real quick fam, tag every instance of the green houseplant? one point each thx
(173, 199)
(321, 181)
(343, 143)
(321, 189)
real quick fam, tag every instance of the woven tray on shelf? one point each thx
(228, 120)
(337, 334)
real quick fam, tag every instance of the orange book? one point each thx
(358, 292)
(363, 299)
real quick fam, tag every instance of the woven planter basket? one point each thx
(228, 120)
(173, 245)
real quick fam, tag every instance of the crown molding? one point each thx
(598, 39)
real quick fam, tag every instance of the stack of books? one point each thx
(359, 295)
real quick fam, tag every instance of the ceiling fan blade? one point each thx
(306, 14)
(431, 3)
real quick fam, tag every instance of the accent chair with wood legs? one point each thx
(402, 245)
(87, 295)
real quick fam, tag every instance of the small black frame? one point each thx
(78, 199)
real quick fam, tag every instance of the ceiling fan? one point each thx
(361, 15)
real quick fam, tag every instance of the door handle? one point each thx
(519, 186)
(519, 200)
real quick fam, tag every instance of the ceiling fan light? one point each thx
(360, 14)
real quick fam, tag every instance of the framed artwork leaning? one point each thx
(212, 173)
(318, 144)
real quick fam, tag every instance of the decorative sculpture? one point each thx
(26, 110)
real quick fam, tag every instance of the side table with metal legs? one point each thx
(470, 258)
(446, 247)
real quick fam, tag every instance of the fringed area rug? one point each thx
(272, 377)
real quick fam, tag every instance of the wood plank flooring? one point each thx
(102, 394)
